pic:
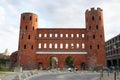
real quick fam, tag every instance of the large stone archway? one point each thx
(53, 62)
(69, 61)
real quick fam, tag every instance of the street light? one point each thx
(114, 47)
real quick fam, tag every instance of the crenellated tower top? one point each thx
(93, 10)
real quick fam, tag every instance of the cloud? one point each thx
(9, 39)
(55, 14)
(2, 16)
(11, 7)
(111, 18)
(14, 31)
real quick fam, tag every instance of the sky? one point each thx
(54, 14)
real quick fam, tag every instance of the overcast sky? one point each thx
(54, 14)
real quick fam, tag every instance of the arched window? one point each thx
(50, 45)
(89, 27)
(56, 35)
(26, 27)
(32, 47)
(40, 35)
(77, 35)
(33, 27)
(83, 35)
(66, 45)
(90, 46)
(93, 36)
(45, 35)
(61, 35)
(45, 45)
(101, 36)
(25, 46)
(99, 17)
(98, 46)
(30, 17)
(28, 36)
(36, 19)
(39, 46)
(66, 35)
(72, 35)
(72, 46)
(97, 27)
(61, 45)
(50, 35)
(56, 46)
(83, 46)
(77, 45)
(93, 18)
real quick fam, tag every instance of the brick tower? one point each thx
(27, 40)
(95, 35)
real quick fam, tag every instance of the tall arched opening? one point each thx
(53, 62)
(69, 61)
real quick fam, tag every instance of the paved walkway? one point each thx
(18, 75)
(12, 75)
(4, 75)
(110, 77)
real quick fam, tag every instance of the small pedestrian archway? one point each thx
(82, 66)
(53, 62)
(69, 61)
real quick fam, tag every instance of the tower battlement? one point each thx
(94, 9)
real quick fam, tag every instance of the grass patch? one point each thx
(4, 68)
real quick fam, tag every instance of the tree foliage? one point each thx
(3, 61)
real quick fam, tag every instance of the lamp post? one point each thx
(114, 47)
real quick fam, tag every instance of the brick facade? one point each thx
(47, 47)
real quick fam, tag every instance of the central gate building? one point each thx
(62, 47)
